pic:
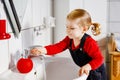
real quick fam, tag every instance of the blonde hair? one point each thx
(85, 20)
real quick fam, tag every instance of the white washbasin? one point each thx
(47, 68)
(61, 68)
(37, 73)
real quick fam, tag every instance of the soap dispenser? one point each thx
(24, 64)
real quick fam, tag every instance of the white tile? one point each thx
(27, 39)
(4, 56)
(26, 21)
(97, 9)
(42, 37)
(15, 49)
(39, 38)
(114, 27)
(21, 10)
(114, 11)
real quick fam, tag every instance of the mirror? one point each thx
(21, 6)
(15, 10)
(12, 16)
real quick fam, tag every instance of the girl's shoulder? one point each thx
(90, 41)
(66, 38)
(89, 38)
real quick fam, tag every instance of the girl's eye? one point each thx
(72, 28)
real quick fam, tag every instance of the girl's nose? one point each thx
(68, 31)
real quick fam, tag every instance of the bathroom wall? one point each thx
(113, 16)
(34, 31)
(4, 60)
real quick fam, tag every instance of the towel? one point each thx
(82, 77)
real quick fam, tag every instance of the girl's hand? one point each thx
(38, 51)
(85, 69)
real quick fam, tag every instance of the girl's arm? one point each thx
(58, 47)
(91, 47)
(52, 49)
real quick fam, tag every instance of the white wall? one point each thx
(4, 57)
(60, 13)
(113, 16)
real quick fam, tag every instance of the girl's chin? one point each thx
(70, 37)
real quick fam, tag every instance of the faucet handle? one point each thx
(26, 53)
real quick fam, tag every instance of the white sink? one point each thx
(47, 68)
(61, 68)
(37, 73)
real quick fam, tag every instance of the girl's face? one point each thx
(73, 29)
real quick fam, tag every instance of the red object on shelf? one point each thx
(24, 65)
(3, 34)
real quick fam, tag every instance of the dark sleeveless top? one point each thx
(80, 57)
